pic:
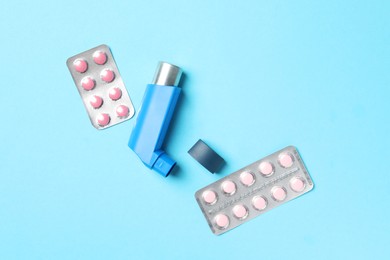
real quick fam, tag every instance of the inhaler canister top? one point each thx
(167, 75)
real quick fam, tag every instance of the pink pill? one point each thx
(228, 187)
(107, 75)
(222, 221)
(259, 202)
(240, 211)
(99, 57)
(87, 83)
(266, 168)
(115, 93)
(297, 184)
(285, 160)
(122, 111)
(80, 65)
(209, 196)
(278, 193)
(96, 101)
(247, 178)
(103, 119)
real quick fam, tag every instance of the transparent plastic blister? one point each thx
(101, 87)
(254, 190)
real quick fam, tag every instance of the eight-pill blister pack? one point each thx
(101, 87)
(254, 189)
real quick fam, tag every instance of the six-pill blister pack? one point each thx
(101, 87)
(253, 190)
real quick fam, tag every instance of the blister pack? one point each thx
(101, 87)
(253, 190)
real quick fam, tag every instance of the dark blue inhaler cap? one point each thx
(206, 156)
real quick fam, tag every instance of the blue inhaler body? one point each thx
(153, 119)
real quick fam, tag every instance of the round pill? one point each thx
(240, 211)
(266, 168)
(247, 178)
(103, 119)
(228, 187)
(278, 193)
(80, 65)
(285, 160)
(115, 93)
(122, 111)
(99, 57)
(259, 202)
(87, 83)
(96, 101)
(222, 221)
(107, 75)
(297, 184)
(209, 196)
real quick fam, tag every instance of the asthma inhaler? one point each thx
(153, 119)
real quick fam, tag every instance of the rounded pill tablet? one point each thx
(115, 93)
(80, 65)
(107, 75)
(96, 101)
(278, 193)
(259, 202)
(87, 83)
(209, 196)
(103, 119)
(99, 57)
(228, 187)
(266, 168)
(222, 221)
(122, 111)
(247, 178)
(240, 211)
(297, 184)
(285, 160)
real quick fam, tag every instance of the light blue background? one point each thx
(260, 75)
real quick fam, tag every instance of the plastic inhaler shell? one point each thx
(152, 123)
